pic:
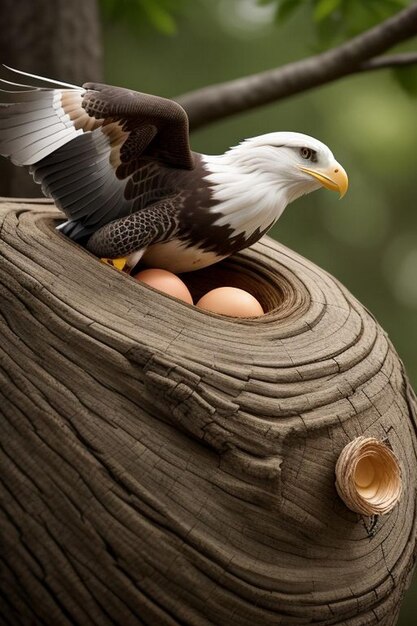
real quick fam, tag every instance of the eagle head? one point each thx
(253, 182)
(295, 163)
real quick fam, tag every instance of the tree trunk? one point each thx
(58, 39)
(162, 465)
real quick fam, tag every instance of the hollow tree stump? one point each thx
(161, 465)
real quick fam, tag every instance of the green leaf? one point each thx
(286, 8)
(324, 8)
(407, 78)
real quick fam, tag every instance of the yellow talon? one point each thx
(119, 264)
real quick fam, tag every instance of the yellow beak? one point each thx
(333, 178)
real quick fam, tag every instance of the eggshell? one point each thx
(231, 301)
(167, 282)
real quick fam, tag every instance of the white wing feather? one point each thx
(36, 121)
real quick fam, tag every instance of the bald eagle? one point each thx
(118, 163)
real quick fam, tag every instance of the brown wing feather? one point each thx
(157, 127)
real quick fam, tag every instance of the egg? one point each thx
(231, 301)
(165, 281)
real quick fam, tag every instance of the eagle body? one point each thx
(119, 165)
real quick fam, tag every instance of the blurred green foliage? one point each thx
(338, 18)
(369, 239)
(407, 78)
(160, 14)
(331, 19)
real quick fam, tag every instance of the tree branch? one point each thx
(389, 60)
(356, 55)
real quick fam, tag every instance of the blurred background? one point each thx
(368, 240)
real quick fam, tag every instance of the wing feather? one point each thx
(89, 188)
(32, 129)
(90, 147)
(41, 79)
(36, 151)
(30, 118)
(79, 183)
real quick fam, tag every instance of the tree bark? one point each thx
(164, 465)
(58, 39)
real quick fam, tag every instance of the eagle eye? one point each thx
(308, 153)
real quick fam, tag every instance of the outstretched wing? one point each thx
(97, 150)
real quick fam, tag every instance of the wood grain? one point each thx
(162, 465)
